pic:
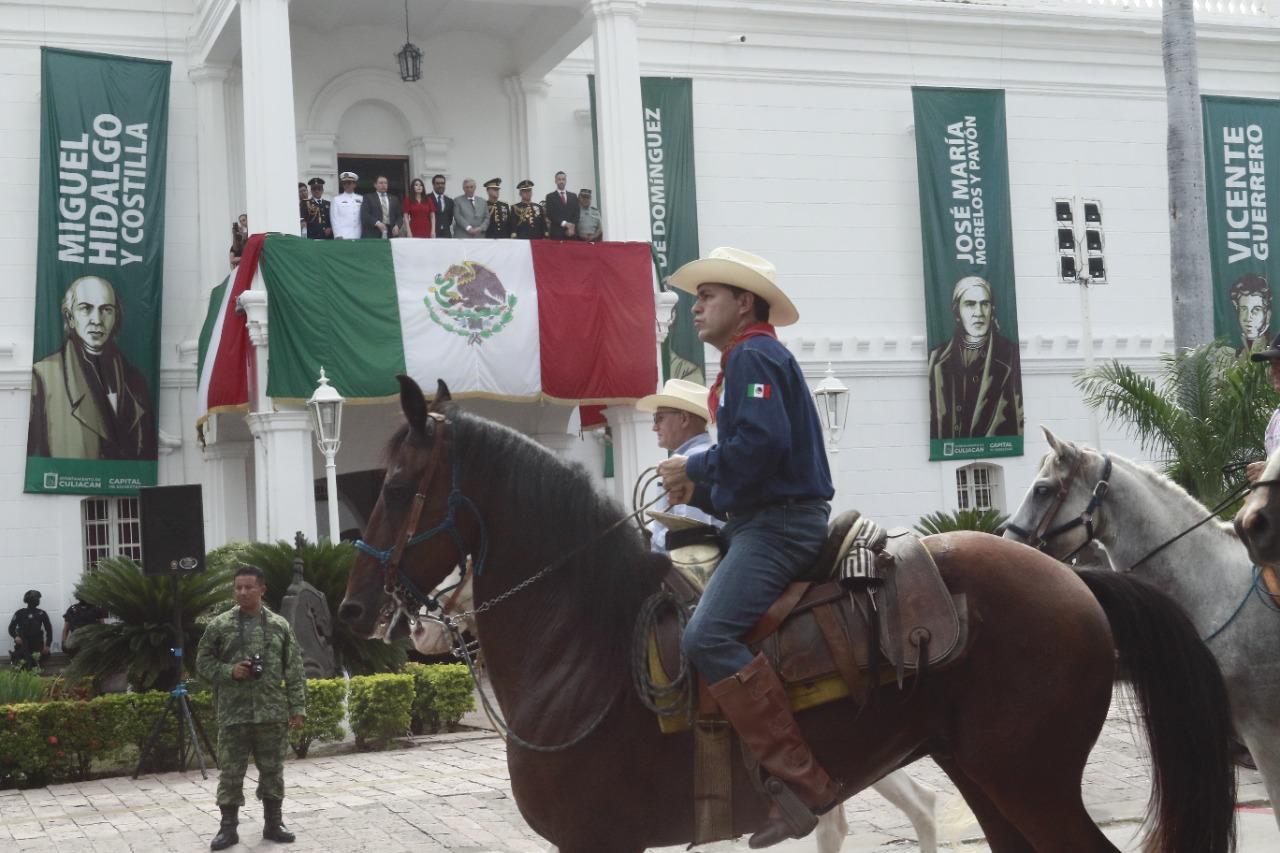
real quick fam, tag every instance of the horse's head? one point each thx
(1258, 521)
(415, 535)
(1059, 514)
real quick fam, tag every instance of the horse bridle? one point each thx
(399, 588)
(1039, 537)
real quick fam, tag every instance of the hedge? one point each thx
(62, 740)
(380, 708)
(442, 694)
(326, 703)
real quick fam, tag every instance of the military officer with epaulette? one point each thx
(528, 218)
(251, 658)
(499, 211)
(345, 210)
(315, 212)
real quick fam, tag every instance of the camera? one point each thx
(255, 666)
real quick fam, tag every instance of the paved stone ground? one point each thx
(452, 793)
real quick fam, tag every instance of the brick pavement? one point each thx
(452, 793)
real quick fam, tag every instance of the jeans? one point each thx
(768, 549)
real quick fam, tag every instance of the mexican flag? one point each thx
(501, 319)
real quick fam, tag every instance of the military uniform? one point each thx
(253, 714)
(344, 213)
(528, 218)
(499, 214)
(315, 213)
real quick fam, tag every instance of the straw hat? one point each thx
(744, 270)
(678, 394)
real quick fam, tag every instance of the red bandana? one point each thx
(755, 330)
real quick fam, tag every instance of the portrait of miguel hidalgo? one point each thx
(975, 385)
(87, 401)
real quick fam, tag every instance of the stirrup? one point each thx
(798, 816)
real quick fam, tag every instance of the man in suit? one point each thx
(975, 382)
(444, 208)
(87, 401)
(380, 213)
(562, 210)
(470, 214)
(499, 211)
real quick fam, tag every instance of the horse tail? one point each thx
(1184, 706)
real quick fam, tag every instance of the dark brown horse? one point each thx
(1012, 723)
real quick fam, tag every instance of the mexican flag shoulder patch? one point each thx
(760, 392)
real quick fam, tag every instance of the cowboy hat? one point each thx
(740, 269)
(678, 394)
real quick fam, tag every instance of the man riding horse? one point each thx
(768, 475)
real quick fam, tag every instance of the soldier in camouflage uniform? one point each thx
(255, 712)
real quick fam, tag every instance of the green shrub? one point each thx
(380, 707)
(442, 694)
(21, 685)
(326, 701)
(983, 520)
(143, 636)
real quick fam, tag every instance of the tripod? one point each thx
(187, 723)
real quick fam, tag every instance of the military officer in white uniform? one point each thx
(344, 212)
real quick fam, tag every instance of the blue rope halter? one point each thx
(449, 525)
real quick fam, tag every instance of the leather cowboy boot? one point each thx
(756, 705)
(227, 834)
(273, 828)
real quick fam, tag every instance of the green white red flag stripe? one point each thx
(504, 319)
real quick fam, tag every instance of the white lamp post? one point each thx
(326, 420)
(832, 398)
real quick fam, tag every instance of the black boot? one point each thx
(273, 828)
(227, 834)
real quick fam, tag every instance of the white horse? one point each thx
(1207, 571)
(430, 637)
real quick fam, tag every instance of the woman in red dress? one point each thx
(419, 211)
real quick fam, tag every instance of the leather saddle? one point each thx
(872, 610)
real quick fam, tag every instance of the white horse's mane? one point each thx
(1175, 492)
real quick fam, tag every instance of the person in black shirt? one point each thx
(31, 631)
(78, 615)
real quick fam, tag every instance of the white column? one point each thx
(619, 119)
(212, 171)
(526, 99)
(284, 482)
(318, 158)
(270, 137)
(635, 448)
(225, 477)
(282, 460)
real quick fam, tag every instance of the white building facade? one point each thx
(804, 154)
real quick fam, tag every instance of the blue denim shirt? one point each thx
(770, 445)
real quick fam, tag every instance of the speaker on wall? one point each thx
(172, 530)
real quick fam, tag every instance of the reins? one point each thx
(1039, 538)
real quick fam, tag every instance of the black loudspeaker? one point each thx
(172, 530)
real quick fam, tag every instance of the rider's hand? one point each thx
(240, 671)
(1254, 470)
(675, 479)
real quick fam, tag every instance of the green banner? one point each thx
(975, 377)
(99, 274)
(673, 207)
(1242, 160)
(673, 210)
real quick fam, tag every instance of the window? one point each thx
(111, 529)
(979, 486)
